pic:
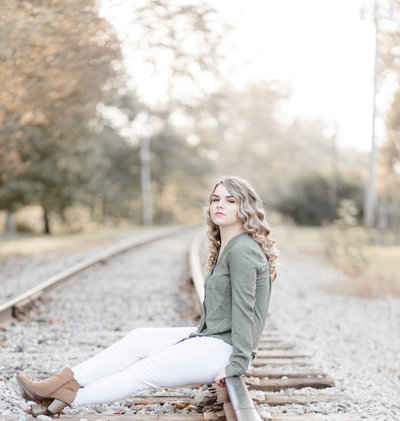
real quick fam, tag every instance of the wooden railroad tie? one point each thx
(272, 400)
(196, 417)
(260, 362)
(275, 345)
(277, 374)
(276, 385)
(280, 353)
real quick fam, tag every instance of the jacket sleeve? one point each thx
(243, 275)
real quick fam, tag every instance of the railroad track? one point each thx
(247, 397)
(19, 304)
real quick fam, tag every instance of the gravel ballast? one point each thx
(356, 341)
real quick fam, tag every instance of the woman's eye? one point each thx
(231, 201)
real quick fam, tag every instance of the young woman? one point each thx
(241, 267)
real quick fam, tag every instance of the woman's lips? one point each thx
(219, 213)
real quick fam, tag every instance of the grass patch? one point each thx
(380, 278)
(29, 244)
(366, 286)
(305, 239)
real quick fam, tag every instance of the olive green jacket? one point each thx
(237, 292)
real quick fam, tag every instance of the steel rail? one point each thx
(7, 308)
(239, 395)
(241, 401)
(195, 267)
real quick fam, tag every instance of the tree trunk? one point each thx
(46, 221)
(10, 223)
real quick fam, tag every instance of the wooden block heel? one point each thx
(56, 407)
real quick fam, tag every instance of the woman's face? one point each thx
(224, 208)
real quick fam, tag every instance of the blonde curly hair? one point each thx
(252, 215)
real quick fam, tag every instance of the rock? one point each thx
(205, 398)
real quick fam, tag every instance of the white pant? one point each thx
(149, 358)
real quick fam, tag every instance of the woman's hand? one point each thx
(220, 379)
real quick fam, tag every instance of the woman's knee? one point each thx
(149, 340)
(140, 332)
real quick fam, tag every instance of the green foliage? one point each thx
(115, 188)
(308, 200)
(180, 171)
(24, 227)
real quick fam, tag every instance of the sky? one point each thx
(321, 49)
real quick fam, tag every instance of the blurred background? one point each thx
(117, 113)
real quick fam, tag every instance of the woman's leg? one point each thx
(195, 360)
(136, 345)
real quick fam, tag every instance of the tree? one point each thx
(250, 136)
(57, 60)
(177, 43)
(389, 180)
(389, 163)
(391, 154)
(308, 200)
(116, 191)
(180, 172)
(173, 44)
